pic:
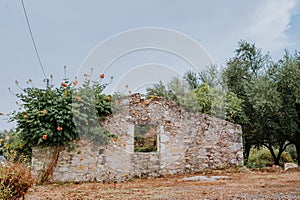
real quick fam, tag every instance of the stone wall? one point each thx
(187, 142)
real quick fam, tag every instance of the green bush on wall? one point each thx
(56, 116)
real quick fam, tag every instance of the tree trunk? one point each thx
(247, 148)
(298, 153)
(297, 137)
(282, 148)
(49, 172)
(297, 145)
(277, 158)
(277, 161)
(269, 146)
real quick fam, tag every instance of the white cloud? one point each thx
(269, 24)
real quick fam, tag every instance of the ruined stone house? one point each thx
(174, 141)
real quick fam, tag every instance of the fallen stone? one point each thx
(289, 166)
(205, 178)
(274, 168)
(244, 169)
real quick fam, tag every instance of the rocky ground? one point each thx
(237, 185)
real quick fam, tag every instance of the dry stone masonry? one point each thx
(187, 142)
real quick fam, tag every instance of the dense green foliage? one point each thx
(261, 157)
(197, 95)
(57, 116)
(270, 94)
(239, 76)
(89, 108)
(12, 147)
(47, 116)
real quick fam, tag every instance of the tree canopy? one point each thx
(270, 94)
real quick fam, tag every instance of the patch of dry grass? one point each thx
(267, 185)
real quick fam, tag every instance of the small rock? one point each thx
(244, 169)
(205, 178)
(276, 168)
(289, 166)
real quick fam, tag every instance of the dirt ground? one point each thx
(249, 185)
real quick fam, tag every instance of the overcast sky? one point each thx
(66, 31)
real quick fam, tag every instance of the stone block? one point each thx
(290, 166)
(164, 138)
(175, 149)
